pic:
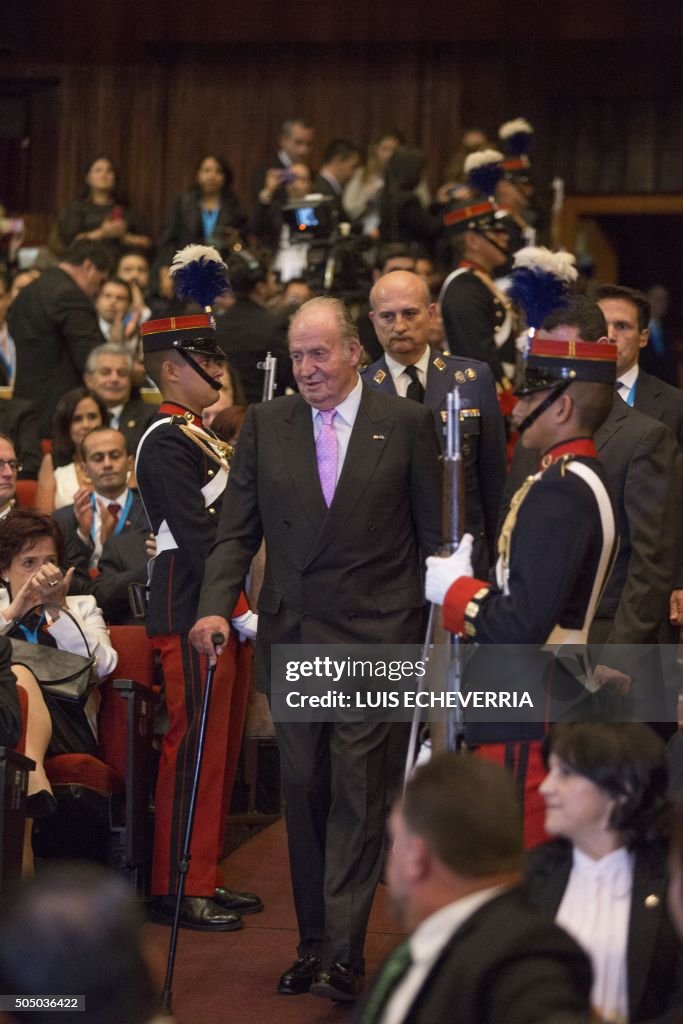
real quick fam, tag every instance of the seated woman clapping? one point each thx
(33, 601)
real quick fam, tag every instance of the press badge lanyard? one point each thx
(123, 515)
(32, 634)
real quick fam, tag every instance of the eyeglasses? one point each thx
(15, 466)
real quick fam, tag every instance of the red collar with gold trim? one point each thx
(579, 446)
(173, 409)
(471, 265)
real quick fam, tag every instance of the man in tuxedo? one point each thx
(108, 371)
(344, 484)
(403, 314)
(477, 953)
(54, 325)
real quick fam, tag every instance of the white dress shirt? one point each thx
(627, 383)
(426, 944)
(342, 423)
(595, 910)
(400, 377)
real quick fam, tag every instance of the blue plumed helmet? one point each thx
(199, 275)
(540, 282)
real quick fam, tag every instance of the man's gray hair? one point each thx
(348, 331)
(108, 349)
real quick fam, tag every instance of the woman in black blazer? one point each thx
(209, 213)
(603, 878)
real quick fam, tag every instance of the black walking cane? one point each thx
(217, 639)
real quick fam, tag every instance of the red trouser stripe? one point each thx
(529, 771)
(184, 681)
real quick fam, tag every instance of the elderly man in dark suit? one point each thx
(344, 484)
(54, 325)
(477, 953)
(108, 373)
(403, 314)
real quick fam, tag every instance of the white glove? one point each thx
(246, 625)
(441, 572)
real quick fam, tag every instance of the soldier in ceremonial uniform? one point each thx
(403, 314)
(182, 470)
(558, 542)
(477, 316)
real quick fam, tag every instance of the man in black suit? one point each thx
(477, 953)
(116, 543)
(403, 315)
(19, 421)
(295, 145)
(111, 507)
(340, 161)
(108, 371)
(344, 484)
(54, 325)
(627, 312)
(247, 331)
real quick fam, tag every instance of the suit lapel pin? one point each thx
(379, 376)
(439, 364)
(459, 377)
(130, 424)
(470, 373)
(652, 901)
(378, 437)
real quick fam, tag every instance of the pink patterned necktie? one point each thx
(326, 454)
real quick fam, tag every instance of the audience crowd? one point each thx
(425, 277)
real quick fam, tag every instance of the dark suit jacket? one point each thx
(184, 225)
(327, 189)
(124, 560)
(645, 474)
(258, 178)
(471, 312)
(77, 553)
(246, 333)
(483, 440)
(505, 965)
(352, 573)
(54, 326)
(19, 421)
(654, 953)
(655, 398)
(136, 416)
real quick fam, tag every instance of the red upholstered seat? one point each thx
(113, 789)
(26, 493)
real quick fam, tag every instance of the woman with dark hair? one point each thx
(31, 550)
(78, 412)
(209, 213)
(402, 216)
(102, 213)
(603, 877)
(361, 195)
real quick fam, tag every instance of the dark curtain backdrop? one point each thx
(608, 115)
(156, 121)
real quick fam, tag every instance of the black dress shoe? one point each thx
(238, 902)
(297, 979)
(199, 913)
(338, 982)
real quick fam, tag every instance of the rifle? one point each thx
(453, 518)
(269, 365)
